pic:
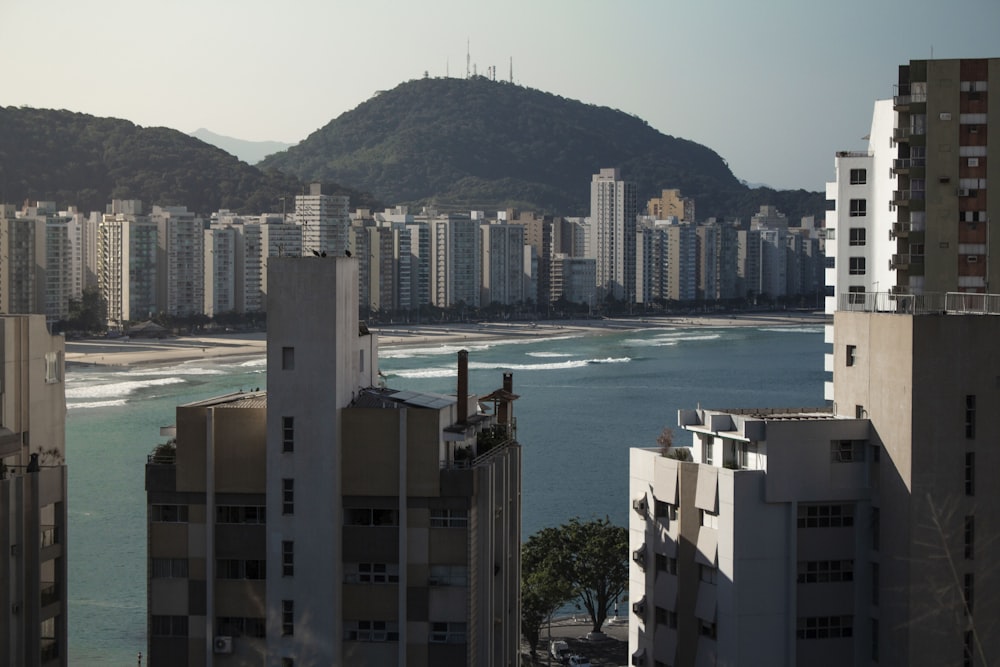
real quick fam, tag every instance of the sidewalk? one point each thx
(611, 651)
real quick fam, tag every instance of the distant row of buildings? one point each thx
(170, 260)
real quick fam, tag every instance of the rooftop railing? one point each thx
(935, 303)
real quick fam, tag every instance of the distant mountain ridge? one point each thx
(480, 144)
(250, 152)
(85, 161)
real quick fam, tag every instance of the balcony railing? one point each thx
(934, 303)
(907, 100)
(49, 593)
(901, 164)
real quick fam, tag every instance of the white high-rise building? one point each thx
(126, 267)
(456, 256)
(180, 265)
(503, 263)
(324, 219)
(613, 213)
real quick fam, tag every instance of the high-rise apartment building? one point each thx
(671, 204)
(455, 261)
(330, 520)
(612, 234)
(33, 556)
(503, 263)
(180, 261)
(856, 534)
(324, 220)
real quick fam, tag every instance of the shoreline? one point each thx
(143, 352)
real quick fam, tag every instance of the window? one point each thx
(365, 516)
(967, 587)
(825, 516)
(874, 640)
(847, 451)
(371, 573)
(825, 571)
(252, 514)
(852, 354)
(666, 564)
(52, 367)
(970, 474)
(859, 208)
(824, 627)
(169, 626)
(969, 654)
(288, 434)
(857, 266)
(970, 416)
(875, 584)
(856, 295)
(287, 558)
(441, 518)
(170, 568)
(830, 262)
(665, 510)
(858, 236)
(288, 358)
(169, 513)
(706, 629)
(666, 617)
(859, 412)
(449, 575)
(708, 453)
(287, 496)
(707, 574)
(970, 536)
(371, 631)
(876, 527)
(709, 519)
(234, 568)
(237, 626)
(859, 176)
(287, 617)
(447, 633)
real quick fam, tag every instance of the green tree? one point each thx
(543, 589)
(594, 557)
(90, 313)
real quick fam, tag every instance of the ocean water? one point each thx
(584, 401)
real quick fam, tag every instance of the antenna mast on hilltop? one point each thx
(468, 58)
(512, 69)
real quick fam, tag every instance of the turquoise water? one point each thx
(584, 402)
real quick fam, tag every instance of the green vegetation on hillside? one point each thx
(77, 159)
(481, 144)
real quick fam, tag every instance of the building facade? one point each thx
(33, 508)
(613, 234)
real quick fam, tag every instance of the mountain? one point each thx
(481, 144)
(250, 152)
(77, 159)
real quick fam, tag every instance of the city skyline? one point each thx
(687, 79)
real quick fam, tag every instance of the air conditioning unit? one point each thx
(639, 608)
(972, 259)
(640, 505)
(223, 644)
(639, 556)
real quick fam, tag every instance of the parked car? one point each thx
(559, 650)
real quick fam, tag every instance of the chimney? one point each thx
(503, 409)
(463, 386)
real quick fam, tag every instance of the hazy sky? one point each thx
(774, 86)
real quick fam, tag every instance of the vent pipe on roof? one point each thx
(463, 386)
(503, 409)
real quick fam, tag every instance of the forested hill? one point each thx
(77, 159)
(481, 144)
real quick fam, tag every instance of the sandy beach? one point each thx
(123, 352)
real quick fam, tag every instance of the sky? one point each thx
(775, 87)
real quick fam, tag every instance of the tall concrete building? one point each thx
(332, 521)
(180, 267)
(844, 535)
(455, 261)
(127, 266)
(613, 213)
(33, 556)
(503, 263)
(324, 220)
(671, 204)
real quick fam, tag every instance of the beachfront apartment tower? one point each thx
(33, 557)
(180, 262)
(503, 263)
(855, 534)
(612, 234)
(455, 260)
(331, 521)
(126, 267)
(324, 220)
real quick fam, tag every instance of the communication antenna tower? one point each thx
(468, 58)
(512, 69)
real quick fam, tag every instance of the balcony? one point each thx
(908, 165)
(899, 230)
(933, 303)
(906, 197)
(907, 102)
